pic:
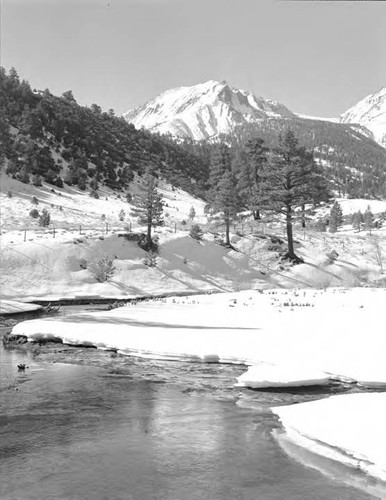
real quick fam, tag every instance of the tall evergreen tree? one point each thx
(336, 217)
(368, 219)
(248, 168)
(225, 201)
(288, 181)
(150, 208)
(219, 164)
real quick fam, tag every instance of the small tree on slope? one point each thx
(336, 217)
(150, 208)
(290, 179)
(368, 219)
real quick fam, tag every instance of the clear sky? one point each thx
(316, 57)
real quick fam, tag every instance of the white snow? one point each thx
(349, 428)
(204, 110)
(14, 307)
(295, 331)
(370, 112)
(262, 376)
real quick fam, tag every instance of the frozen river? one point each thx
(135, 432)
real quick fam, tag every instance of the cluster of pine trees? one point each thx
(283, 179)
(38, 130)
(356, 163)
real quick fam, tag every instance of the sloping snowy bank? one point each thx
(348, 428)
(15, 307)
(306, 335)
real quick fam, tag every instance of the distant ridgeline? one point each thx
(354, 163)
(50, 138)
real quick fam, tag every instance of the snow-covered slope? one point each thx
(370, 112)
(203, 110)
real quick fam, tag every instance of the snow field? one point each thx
(300, 337)
(349, 428)
(14, 307)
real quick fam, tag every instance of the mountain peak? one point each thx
(370, 112)
(204, 110)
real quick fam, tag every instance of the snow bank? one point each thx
(339, 333)
(264, 376)
(348, 428)
(14, 307)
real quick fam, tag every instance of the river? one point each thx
(117, 428)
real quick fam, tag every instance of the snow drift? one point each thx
(349, 428)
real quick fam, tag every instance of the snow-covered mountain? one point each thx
(370, 112)
(204, 110)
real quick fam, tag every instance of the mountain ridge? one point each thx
(204, 110)
(213, 108)
(370, 112)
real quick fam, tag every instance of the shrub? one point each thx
(94, 194)
(196, 232)
(129, 198)
(9, 194)
(34, 200)
(59, 183)
(36, 180)
(83, 263)
(122, 215)
(103, 269)
(45, 218)
(150, 260)
(34, 213)
(82, 184)
(148, 247)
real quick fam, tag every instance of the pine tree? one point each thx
(336, 217)
(355, 221)
(225, 201)
(150, 208)
(248, 167)
(289, 180)
(192, 213)
(219, 164)
(368, 219)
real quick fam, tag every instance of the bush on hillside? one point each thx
(83, 263)
(148, 247)
(34, 213)
(150, 260)
(37, 180)
(44, 218)
(34, 200)
(196, 232)
(103, 269)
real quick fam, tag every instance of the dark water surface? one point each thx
(141, 430)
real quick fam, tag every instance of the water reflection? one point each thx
(77, 432)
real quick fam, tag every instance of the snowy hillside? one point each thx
(370, 112)
(203, 110)
(58, 261)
